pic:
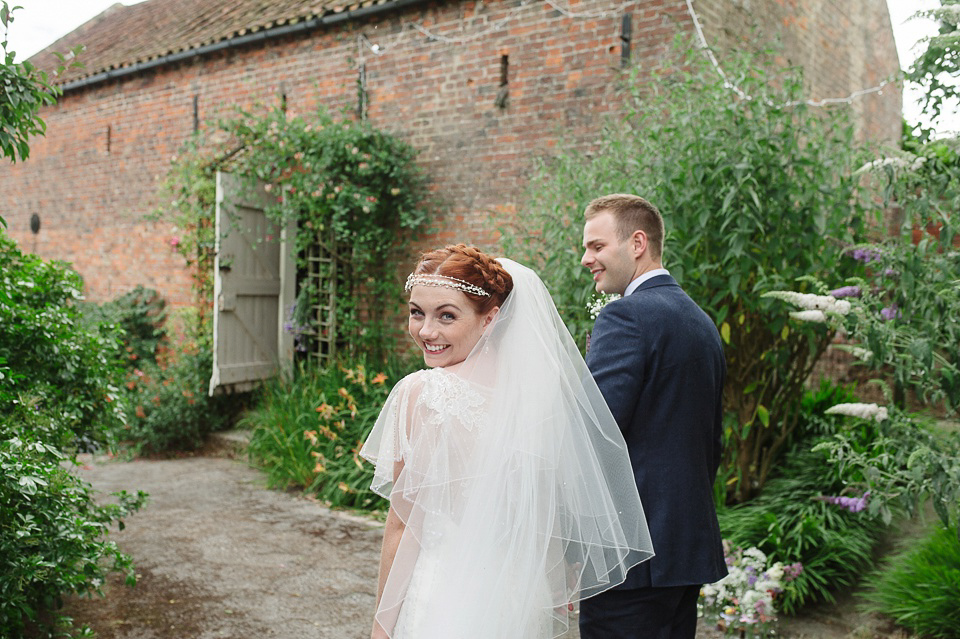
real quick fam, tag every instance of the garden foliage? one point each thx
(59, 378)
(168, 407)
(52, 361)
(920, 587)
(907, 299)
(937, 67)
(754, 192)
(26, 90)
(141, 314)
(791, 523)
(906, 462)
(307, 433)
(53, 535)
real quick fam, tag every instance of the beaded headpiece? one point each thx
(434, 279)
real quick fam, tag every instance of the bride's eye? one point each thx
(416, 312)
(448, 316)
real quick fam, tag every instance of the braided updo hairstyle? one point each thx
(472, 265)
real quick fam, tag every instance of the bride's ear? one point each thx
(491, 314)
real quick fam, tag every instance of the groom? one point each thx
(659, 363)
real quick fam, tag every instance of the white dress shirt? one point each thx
(635, 284)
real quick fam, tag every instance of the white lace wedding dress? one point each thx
(433, 606)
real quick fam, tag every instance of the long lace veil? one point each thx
(515, 480)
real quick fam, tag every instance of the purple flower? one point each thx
(846, 291)
(865, 255)
(752, 579)
(792, 571)
(890, 312)
(853, 504)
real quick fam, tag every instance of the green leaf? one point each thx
(764, 415)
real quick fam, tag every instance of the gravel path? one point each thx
(221, 556)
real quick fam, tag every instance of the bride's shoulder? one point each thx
(415, 382)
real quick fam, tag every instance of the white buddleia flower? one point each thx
(809, 316)
(863, 411)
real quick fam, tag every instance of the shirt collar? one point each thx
(635, 284)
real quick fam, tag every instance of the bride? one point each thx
(511, 494)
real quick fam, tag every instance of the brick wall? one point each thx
(842, 47)
(93, 179)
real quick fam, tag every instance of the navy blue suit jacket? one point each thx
(658, 360)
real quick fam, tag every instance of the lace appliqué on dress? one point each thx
(447, 396)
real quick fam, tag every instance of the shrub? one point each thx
(307, 433)
(141, 314)
(921, 586)
(52, 360)
(52, 534)
(905, 462)
(169, 408)
(753, 192)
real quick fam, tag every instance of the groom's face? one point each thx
(610, 260)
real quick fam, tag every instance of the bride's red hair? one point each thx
(469, 264)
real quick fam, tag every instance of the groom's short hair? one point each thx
(631, 213)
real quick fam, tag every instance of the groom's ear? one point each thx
(638, 242)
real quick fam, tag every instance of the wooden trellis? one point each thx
(326, 270)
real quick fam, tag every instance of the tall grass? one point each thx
(307, 433)
(920, 589)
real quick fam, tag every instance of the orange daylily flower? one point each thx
(326, 432)
(379, 378)
(311, 435)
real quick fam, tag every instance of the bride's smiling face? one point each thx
(445, 325)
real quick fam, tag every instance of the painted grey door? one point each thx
(254, 284)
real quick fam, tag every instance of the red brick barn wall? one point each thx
(842, 46)
(94, 178)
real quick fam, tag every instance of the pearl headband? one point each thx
(433, 279)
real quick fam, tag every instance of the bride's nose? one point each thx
(428, 330)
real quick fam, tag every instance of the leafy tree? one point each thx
(26, 90)
(938, 67)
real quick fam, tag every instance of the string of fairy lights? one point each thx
(391, 43)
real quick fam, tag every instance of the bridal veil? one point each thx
(512, 479)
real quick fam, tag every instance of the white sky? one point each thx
(41, 22)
